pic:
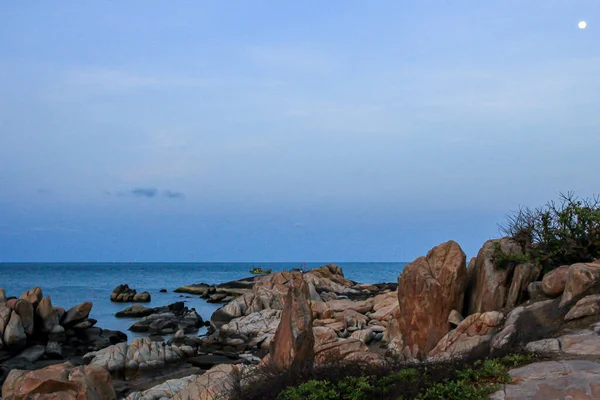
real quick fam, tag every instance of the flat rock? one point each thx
(589, 305)
(567, 379)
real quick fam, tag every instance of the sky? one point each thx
(288, 130)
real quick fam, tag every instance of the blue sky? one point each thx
(288, 131)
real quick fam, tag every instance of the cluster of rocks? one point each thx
(124, 294)
(439, 309)
(222, 293)
(163, 320)
(34, 333)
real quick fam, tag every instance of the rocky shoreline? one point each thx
(440, 309)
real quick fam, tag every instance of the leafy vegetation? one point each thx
(558, 233)
(443, 381)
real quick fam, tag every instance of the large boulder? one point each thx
(490, 282)
(292, 348)
(329, 278)
(59, 381)
(429, 288)
(5, 312)
(582, 279)
(554, 281)
(589, 305)
(47, 314)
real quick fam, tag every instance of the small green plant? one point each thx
(455, 390)
(311, 390)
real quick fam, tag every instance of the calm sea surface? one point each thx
(71, 283)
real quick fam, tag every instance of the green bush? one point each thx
(558, 233)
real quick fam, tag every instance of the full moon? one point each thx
(582, 24)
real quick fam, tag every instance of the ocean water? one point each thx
(69, 284)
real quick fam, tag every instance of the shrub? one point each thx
(558, 233)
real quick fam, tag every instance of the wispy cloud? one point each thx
(144, 192)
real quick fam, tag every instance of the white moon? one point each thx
(582, 24)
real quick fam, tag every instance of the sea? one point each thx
(69, 284)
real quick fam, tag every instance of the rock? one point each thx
(583, 343)
(252, 329)
(2, 295)
(343, 350)
(33, 296)
(135, 311)
(14, 334)
(324, 335)
(535, 291)
(474, 331)
(208, 361)
(217, 297)
(198, 288)
(524, 274)
(163, 290)
(455, 318)
(167, 322)
(122, 293)
(544, 347)
(47, 314)
(364, 335)
(63, 380)
(490, 283)
(32, 354)
(77, 313)
(25, 311)
(589, 305)
(86, 324)
(5, 312)
(180, 334)
(57, 334)
(165, 390)
(554, 281)
(216, 383)
(582, 279)
(143, 297)
(292, 348)
(567, 379)
(60, 312)
(329, 278)
(54, 351)
(140, 356)
(429, 288)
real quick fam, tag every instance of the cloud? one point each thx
(144, 192)
(148, 192)
(173, 195)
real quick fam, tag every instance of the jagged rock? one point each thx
(86, 324)
(344, 350)
(14, 334)
(566, 379)
(5, 312)
(252, 329)
(2, 295)
(47, 314)
(218, 298)
(490, 284)
(60, 312)
(523, 275)
(216, 383)
(122, 293)
(292, 348)
(582, 279)
(77, 313)
(167, 322)
(329, 278)
(455, 318)
(60, 381)
(33, 296)
(429, 288)
(589, 305)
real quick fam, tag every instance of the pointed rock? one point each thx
(293, 346)
(429, 288)
(25, 310)
(77, 313)
(523, 276)
(14, 334)
(34, 296)
(47, 314)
